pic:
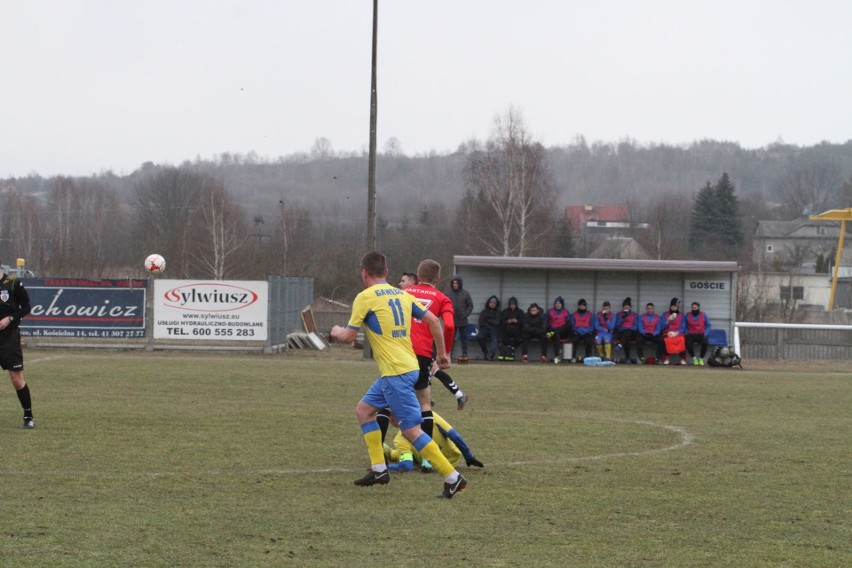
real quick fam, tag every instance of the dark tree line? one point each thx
(241, 217)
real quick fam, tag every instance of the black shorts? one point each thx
(425, 378)
(11, 356)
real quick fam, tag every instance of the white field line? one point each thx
(43, 359)
(685, 439)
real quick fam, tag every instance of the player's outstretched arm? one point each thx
(443, 360)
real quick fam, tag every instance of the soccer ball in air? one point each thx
(155, 264)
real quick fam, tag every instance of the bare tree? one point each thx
(21, 232)
(796, 256)
(510, 190)
(87, 229)
(811, 189)
(668, 227)
(292, 244)
(322, 149)
(790, 280)
(221, 233)
(393, 147)
(163, 204)
(752, 295)
(846, 194)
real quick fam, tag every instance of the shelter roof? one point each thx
(618, 264)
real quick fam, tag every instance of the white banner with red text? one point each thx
(223, 309)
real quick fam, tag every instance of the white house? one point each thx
(794, 243)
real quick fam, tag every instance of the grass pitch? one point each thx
(178, 459)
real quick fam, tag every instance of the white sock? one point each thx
(452, 478)
(378, 467)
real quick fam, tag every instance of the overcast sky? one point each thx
(95, 85)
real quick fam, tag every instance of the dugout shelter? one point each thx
(542, 279)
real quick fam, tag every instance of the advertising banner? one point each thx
(77, 307)
(223, 310)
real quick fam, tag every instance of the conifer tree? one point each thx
(564, 245)
(702, 225)
(716, 223)
(729, 220)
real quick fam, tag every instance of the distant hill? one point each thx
(584, 174)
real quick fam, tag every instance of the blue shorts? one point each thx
(397, 392)
(604, 337)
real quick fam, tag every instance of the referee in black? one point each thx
(14, 305)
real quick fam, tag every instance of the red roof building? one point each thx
(596, 216)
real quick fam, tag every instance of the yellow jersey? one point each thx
(448, 448)
(386, 313)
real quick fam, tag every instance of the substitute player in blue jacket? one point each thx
(583, 330)
(697, 329)
(650, 331)
(627, 328)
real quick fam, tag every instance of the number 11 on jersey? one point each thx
(398, 315)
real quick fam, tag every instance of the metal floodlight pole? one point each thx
(371, 176)
(837, 261)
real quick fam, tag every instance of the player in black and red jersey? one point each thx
(14, 305)
(423, 287)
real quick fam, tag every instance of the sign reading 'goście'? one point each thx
(719, 285)
(224, 310)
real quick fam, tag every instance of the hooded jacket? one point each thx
(557, 319)
(490, 319)
(535, 324)
(582, 321)
(513, 313)
(462, 302)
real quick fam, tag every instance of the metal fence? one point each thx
(801, 342)
(326, 320)
(288, 296)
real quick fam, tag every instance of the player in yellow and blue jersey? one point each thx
(403, 456)
(386, 312)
